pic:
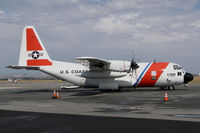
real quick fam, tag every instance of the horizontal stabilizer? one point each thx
(23, 67)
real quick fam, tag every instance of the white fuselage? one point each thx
(82, 76)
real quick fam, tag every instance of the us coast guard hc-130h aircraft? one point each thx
(96, 72)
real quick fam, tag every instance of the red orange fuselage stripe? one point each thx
(148, 80)
(32, 41)
(39, 62)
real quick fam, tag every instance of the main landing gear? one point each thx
(169, 88)
(110, 90)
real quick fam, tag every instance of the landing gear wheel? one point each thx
(171, 87)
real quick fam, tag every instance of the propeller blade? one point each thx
(134, 65)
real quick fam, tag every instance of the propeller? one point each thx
(133, 66)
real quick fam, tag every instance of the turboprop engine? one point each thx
(122, 66)
(119, 66)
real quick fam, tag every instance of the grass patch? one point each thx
(196, 80)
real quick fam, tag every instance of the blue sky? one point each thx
(156, 30)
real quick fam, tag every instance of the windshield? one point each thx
(177, 67)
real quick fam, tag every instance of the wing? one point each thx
(94, 63)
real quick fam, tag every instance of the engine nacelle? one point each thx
(119, 66)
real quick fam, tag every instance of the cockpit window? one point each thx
(177, 67)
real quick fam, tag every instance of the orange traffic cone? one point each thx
(166, 97)
(58, 97)
(54, 94)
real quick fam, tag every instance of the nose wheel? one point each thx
(171, 87)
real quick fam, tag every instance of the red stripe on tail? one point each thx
(32, 41)
(39, 62)
(153, 74)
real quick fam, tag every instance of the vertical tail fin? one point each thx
(32, 52)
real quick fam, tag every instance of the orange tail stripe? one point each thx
(40, 62)
(32, 41)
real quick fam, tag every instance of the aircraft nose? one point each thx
(188, 77)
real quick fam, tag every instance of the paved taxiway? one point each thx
(35, 96)
(29, 122)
